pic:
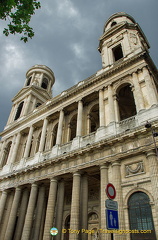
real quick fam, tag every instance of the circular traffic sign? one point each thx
(110, 191)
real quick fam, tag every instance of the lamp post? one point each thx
(154, 134)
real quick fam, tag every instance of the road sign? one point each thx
(110, 191)
(112, 220)
(110, 204)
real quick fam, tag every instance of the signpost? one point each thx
(110, 191)
(112, 219)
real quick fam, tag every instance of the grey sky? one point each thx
(66, 40)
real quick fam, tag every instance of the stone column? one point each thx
(153, 168)
(60, 207)
(150, 87)
(75, 206)
(12, 114)
(116, 173)
(88, 123)
(111, 104)
(16, 146)
(79, 119)
(40, 205)
(28, 143)
(84, 206)
(139, 101)
(21, 218)
(3, 154)
(101, 108)
(2, 203)
(68, 132)
(11, 150)
(27, 104)
(30, 212)
(2, 144)
(103, 197)
(41, 79)
(60, 128)
(13, 215)
(116, 107)
(43, 135)
(50, 209)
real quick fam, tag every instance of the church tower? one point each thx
(125, 52)
(122, 39)
(37, 90)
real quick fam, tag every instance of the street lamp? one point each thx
(154, 134)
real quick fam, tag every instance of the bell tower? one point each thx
(122, 39)
(37, 90)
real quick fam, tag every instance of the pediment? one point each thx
(34, 90)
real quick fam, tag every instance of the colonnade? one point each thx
(33, 212)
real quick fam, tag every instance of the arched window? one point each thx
(44, 83)
(54, 135)
(126, 102)
(28, 81)
(113, 23)
(19, 109)
(94, 118)
(140, 216)
(73, 126)
(67, 226)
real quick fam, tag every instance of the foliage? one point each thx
(18, 13)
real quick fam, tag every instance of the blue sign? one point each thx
(112, 220)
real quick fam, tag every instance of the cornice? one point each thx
(106, 143)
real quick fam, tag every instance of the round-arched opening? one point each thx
(126, 102)
(67, 226)
(73, 126)
(113, 23)
(44, 83)
(94, 118)
(19, 109)
(140, 216)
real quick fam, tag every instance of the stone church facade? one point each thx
(59, 153)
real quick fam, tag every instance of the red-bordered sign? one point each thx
(110, 191)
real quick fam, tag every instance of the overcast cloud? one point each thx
(66, 40)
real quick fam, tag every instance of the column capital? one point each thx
(4, 191)
(104, 166)
(34, 184)
(53, 180)
(18, 188)
(116, 163)
(150, 153)
(74, 173)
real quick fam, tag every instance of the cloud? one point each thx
(66, 9)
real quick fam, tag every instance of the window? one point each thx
(126, 102)
(113, 24)
(44, 83)
(94, 118)
(140, 216)
(19, 109)
(38, 104)
(117, 52)
(28, 81)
